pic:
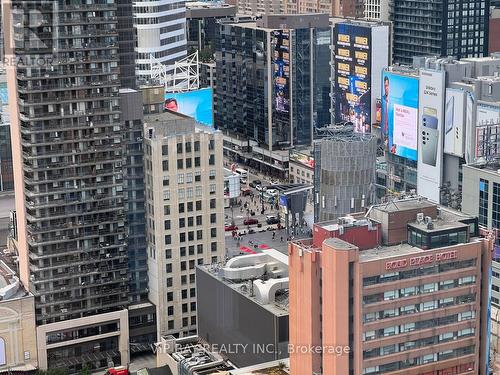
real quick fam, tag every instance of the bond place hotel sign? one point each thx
(420, 260)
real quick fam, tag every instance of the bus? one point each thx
(243, 175)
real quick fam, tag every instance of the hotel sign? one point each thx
(421, 260)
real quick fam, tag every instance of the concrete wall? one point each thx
(226, 317)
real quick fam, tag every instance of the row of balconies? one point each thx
(31, 87)
(72, 151)
(79, 271)
(58, 225)
(69, 250)
(75, 260)
(44, 115)
(62, 73)
(83, 294)
(51, 176)
(70, 60)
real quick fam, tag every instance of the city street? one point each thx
(261, 238)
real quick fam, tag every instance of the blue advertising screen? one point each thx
(197, 104)
(400, 114)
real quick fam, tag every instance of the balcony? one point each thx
(45, 254)
(30, 88)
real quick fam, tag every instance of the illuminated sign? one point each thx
(281, 61)
(353, 61)
(420, 260)
(197, 104)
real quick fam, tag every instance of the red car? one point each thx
(230, 228)
(250, 221)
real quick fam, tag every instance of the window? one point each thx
(165, 165)
(483, 202)
(170, 324)
(189, 193)
(211, 159)
(189, 163)
(213, 203)
(181, 208)
(213, 232)
(189, 178)
(170, 310)
(182, 251)
(167, 224)
(199, 248)
(180, 163)
(197, 176)
(197, 161)
(164, 150)
(182, 222)
(198, 191)
(190, 206)
(170, 296)
(182, 194)
(197, 146)
(213, 188)
(166, 195)
(180, 178)
(199, 234)
(198, 205)
(169, 282)
(188, 146)
(182, 237)
(169, 267)
(199, 220)
(190, 221)
(213, 247)
(179, 148)
(213, 218)
(212, 174)
(168, 239)
(166, 181)
(211, 144)
(166, 210)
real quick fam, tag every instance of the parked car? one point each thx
(261, 188)
(230, 227)
(250, 221)
(271, 219)
(254, 183)
(272, 192)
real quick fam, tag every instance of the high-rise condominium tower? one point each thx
(161, 34)
(457, 28)
(63, 81)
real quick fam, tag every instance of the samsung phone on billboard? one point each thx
(399, 114)
(430, 133)
(454, 121)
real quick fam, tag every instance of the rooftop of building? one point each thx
(351, 220)
(281, 21)
(208, 4)
(261, 277)
(403, 205)
(10, 285)
(170, 124)
(280, 367)
(492, 168)
(191, 352)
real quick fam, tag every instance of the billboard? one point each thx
(469, 122)
(300, 158)
(399, 115)
(281, 64)
(352, 91)
(487, 131)
(454, 122)
(197, 104)
(430, 133)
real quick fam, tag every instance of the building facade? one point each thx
(6, 173)
(415, 300)
(161, 35)
(442, 28)
(185, 215)
(272, 84)
(481, 197)
(67, 156)
(126, 43)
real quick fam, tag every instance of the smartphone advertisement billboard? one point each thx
(281, 63)
(352, 76)
(430, 133)
(399, 115)
(197, 104)
(454, 122)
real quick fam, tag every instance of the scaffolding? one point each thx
(183, 76)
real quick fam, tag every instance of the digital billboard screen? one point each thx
(281, 63)
(301, 158)
(352, 72)
(197, 104)
(400, 114)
